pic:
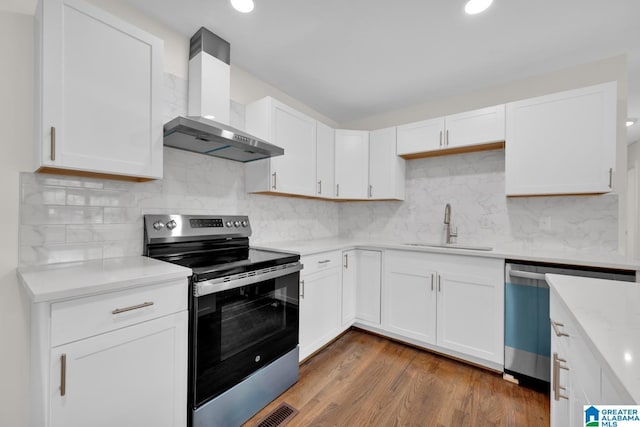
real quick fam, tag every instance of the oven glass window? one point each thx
(240, 330)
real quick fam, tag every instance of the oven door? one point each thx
(242, 326)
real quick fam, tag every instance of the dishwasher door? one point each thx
(527, 336)
(527, 329)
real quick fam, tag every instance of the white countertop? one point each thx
(70, 280)
(603, 260)
(608, 314)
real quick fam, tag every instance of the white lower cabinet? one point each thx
(452, 302)
(361, 283)
(118, 358)
(320, 299)
(349, 286)
(133, 376)
(577, 377)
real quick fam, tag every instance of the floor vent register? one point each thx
(279, 416)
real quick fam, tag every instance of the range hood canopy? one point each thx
(206, 129)
(204, 136)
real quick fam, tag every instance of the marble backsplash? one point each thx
(474, 185)
(72, 219)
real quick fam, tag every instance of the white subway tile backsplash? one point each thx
(42, 234)
(53, 214)
(33, 194)
(50, 254)
(90, 197)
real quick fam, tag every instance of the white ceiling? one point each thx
(350, 59)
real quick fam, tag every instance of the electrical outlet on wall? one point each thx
(545, 223)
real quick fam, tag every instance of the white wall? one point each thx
(16, 118)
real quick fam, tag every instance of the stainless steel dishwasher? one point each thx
(527, 331)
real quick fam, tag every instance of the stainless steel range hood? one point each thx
(205, 136)
(206, 129)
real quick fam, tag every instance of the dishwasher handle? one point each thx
(526, 274)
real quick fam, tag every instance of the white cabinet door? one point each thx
(99, 89)
(409, 296)
(368, 286)
(386, 169)
(325, 173)
(426, 135)
(352, 164)
(135, 376)
(475, 127)
(470, 312)
(349, 286)
(295, 171)
(564, 143)
(319, 305)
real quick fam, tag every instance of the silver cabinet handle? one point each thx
(319, 186)
(53, 143)
(556, 377)
(556, 329)
(370, 191)
(324, 261)
(440, 138)
(63, 374)
(439, 284)
(337, 190)
(302, 289)
(610, 177)
(446, 139)
(133, 307)
(346, 260)
(431, 282)
(274, 176)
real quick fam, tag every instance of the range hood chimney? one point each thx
(206, 129)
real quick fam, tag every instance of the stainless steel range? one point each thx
(243, 314)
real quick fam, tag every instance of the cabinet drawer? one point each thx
(320, 262)
(84, 317)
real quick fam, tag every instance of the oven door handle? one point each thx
(236, 281)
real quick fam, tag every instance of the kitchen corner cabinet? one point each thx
(124, 363)
(361, 284)
(450, 303)
(293, 173)
(352, 164)
(386, 169)
(98, 92)
(320, 297)
(563, 143)
(469, 131)
(325, 160)
(577, 376)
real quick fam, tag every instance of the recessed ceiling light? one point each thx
(476, 6)
(244, 6)
(631, 122)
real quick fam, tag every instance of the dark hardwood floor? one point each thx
(366, 380)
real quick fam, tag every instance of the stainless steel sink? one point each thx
(451, 246)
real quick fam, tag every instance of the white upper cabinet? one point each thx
(295, 171)
(482, 126)
(426, 135)
(564, 143)
(352, 164)
(464, 132)
(98, 90)
(325, 161)
(386, 169)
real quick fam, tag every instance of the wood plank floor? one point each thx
(366, 380)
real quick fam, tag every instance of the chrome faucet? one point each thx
(447, 221)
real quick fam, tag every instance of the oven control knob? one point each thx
(245, 223)
(158, 225)
(171, 225)
(229, 223)
(236, 223)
